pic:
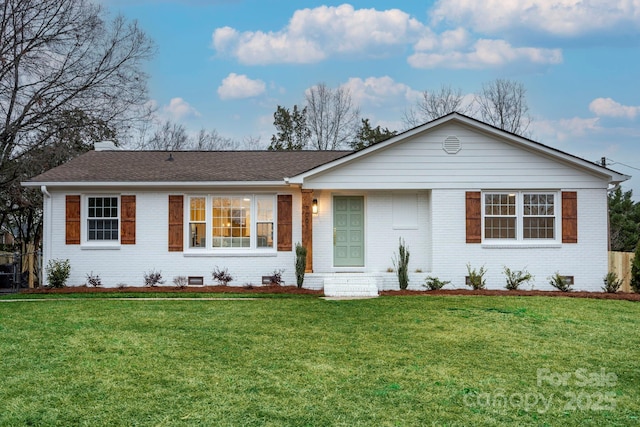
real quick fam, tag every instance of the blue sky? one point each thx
(226, 65)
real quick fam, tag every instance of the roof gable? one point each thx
(567, 159)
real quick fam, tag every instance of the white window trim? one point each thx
(84, 227)
(519, 241)
(208, 249)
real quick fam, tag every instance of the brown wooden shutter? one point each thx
(176, 223)
(72, 219)
(285, 228)
(474, 217)
(128, 220)
(569, 217)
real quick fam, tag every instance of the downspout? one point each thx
(46, 232)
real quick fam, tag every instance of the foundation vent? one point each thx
(451, 145)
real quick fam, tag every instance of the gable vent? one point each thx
(451, 144)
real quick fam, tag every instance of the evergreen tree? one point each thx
(366, 135)
(624, 221)
(292, 130)
(635, 271)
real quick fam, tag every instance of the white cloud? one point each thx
(379, 91)
(178, 109)
(563, 130)
(566, 18)
(483, 54)
(236, 86)
(314, 34)
(607, 107)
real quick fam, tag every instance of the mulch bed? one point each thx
(190, 289)
(296, 291)
(522, 293)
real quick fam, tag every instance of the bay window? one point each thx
(233, 222)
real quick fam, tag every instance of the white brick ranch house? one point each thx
(457, 190)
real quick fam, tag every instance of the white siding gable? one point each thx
(484, 161)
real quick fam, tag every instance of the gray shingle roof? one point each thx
(187, 166)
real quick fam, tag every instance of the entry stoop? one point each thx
(351, 285)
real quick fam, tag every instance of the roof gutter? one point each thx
(155, 184)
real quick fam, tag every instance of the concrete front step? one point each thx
(351, 285)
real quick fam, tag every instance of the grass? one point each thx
(308, 362)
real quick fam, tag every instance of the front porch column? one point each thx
(307, 227)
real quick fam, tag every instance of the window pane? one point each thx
(265, 208)
(197, 231)
(197, 209)
(538, 228)
(265, 235)
(102, 229)
(231, 218)
(500, 228)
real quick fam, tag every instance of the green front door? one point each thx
(348, 231)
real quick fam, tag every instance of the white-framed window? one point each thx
(103, 218)
(231, 221)
(520, 215)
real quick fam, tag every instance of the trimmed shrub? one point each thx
(276, 277)
(611, 283)
(433, 283)
(222, 276)
(94, 281)
(180, 281)
(58, 271)
(476, 277)
(153, 278)
(560, 282)
(515, 279)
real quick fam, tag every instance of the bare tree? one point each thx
(435, 104)
(63, 55)
(503, 104)
(213, 141)
(68, 77)
(168, 136)
(331, 117)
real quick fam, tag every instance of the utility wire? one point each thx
(613, 162)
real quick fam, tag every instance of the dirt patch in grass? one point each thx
(522, 293)
(190, 289)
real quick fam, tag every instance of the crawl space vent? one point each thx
(451, 144)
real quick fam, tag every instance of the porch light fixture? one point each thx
(314, 207)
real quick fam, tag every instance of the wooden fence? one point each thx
(620, 263)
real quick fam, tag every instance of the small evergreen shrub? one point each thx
(94, 281)
(153, 278)
(180, 281)
(635, 270)
(611, 283)
(560, 282)
(58, 271)
(301, 264)
(276, 277)
(476, 277)
(433, 283)
(516, 278)
(222, 276)
(401, 264)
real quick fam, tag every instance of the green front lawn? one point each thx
(309, 362)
